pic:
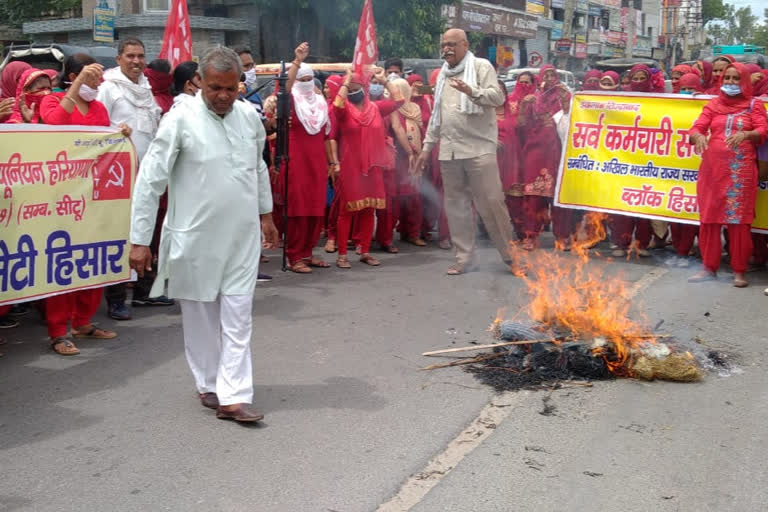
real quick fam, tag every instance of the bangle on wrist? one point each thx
(67, 97)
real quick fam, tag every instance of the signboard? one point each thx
(490, 20)
(581, 38)
(563, 46)
(505, 56)
(630, 154)
(535, 59)
(104, 25)
(65, 209)
(594, 10)
(582, 5)
(557, 30)
(580, 51)
(557, 4)
(616, 4)
(537, 7)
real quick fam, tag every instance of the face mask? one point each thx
(88, 94)
(356, 97)
(304, 87)
(376, 91)
(250, 78)
(392, 77)
(34, 98)
(731, 89)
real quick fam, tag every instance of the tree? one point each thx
(15, 12)
(403, 27)
(737, 27)
(712, 10)
(760, 37)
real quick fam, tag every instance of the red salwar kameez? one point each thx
(727, 182)
(361, 189)
(307, 178)
(541, 157)
(80, 306)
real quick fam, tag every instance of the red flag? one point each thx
(366, 49)
(177, 39)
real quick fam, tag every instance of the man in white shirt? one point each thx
(128, 97)
(208, 153)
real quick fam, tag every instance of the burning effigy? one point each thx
(577, 326)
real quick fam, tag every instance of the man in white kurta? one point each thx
(208, 153)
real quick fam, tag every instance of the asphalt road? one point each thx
(350, 418)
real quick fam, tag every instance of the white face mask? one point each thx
(304, 87)
(88, 94)
(250, 77)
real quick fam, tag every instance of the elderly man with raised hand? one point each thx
(208, 153)
(464, 123)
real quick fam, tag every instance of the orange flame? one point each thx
(567, 294)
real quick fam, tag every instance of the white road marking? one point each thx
(497, 410)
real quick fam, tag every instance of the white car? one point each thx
(511, 77)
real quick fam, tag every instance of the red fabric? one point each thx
(564, 222)
(654, 81)
(593, 73)
(308, 172)
(759, 88)
(77, 307)
(706, 75)
(10, 78)
(365, 221)
(739, 246)
(386, 218)
(333, 215)
(366, 50)
(508, 147)
(161, 87)
(725, 104)
(27, 78)
(51, 112)
(433, 76)
(4, 310)
(727, 181)
(425, 103)
(334, 83)
(683, 236)
(410, 215)
(689, 80)
(614, 76)
(301, 236)
(363, 153)
(682, 69)
(622, 228)
(529, 214)
(177, 38)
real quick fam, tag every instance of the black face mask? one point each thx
(356, 97)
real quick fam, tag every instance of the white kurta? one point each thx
(218, 185)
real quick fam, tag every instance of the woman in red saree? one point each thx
(76, 106)
(541, 158)
(727, 183)
(610, 81)
(362, 137)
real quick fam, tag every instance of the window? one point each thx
(157, 5)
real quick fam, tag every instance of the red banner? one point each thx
(366, 49)
(177, 39)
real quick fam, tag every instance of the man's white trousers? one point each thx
(217, 340)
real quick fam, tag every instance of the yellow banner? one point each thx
(64, 209)
(629, 154)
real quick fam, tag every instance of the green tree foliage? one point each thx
(15, 12)
(737, 26)
(760, 37)
(403, 27)
(712, 10)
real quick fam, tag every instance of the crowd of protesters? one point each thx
(375, 155)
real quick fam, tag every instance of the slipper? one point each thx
(63, 346)
(316, 262)
(94, 333)
(456, 269)
(369, 260)
(330, 246)
(740, 283)
(418, 242)
(300, 267)
(343, 262)
(391, 249)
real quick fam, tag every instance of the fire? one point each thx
(581, 301)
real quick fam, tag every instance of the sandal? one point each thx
(369, 260)
(343, 262)
(704, 275)
(739, 281)
(64, 346)
(445, 244)
(358, 249)
(418, 242)
(93, 333)
(316, 262)
(330, 246)
(456, 269)
(391, 249)
(300, 267)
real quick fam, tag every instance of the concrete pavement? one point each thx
(350, 417)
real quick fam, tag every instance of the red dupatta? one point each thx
(594, 73)
(372, 141)
(32, 100)
(548, 100)
(725, 104)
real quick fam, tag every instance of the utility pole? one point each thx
(569, 8)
